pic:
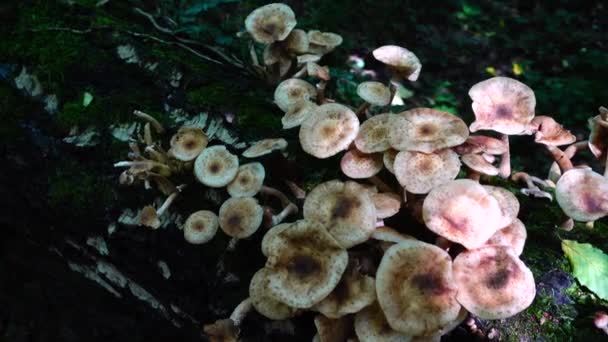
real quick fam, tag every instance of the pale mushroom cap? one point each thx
(356, 164)
(387, 204)
(291, 91)
(513, 235)
(149, 218)
(478, 163)
(188, 143)
(329, 130)
(240, 217)
(270, 23)
(325, 39)
(215, 166)
(248, 181)
(354, 292)
(306, 263)
(333, 330)
(315, 70)
(299, 112)
(427, 130)
(263, 302)
(373, 134)
(582, 194)
(345, 209)
(388, 234)
(375, 93)
(371, 326)
(482, 144)
(401, 59)
(418, 172)
(550, 132)
(493, 283)
(416, 289)
(388, 157)
(265, 146)
(508, 203)
(271, 234)
(502, 104)
(307, 58)
(598, 138)
(462, 211)
(200, 227)
(297, 41)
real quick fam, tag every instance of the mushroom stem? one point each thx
(254, 56)
(531, 188)
(504, 169)
(266, 190)
(561, 158)
(393, 90)
(288, 210)
(380, 184)
(297, 192)
(150, 119)
(362, 109)
(239, 313)
(473, 175)
(156, 155)
(571, 151)
(135, 150)
(321, 92)
(166, 204)
(590, 224)
(148, 135)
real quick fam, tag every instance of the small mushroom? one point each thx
(387, 204)
(188, 143)
(296, 42)
(240, 217)
(270, 23)
(264, 147)
(357, 165)
(582, 194)
(549, 132)
(405, 63)
(481, 144)
(323, 42)
(200, 227)
(514, 236)
(215, 166)
(374, 94)
(299, 112)
(419, 172)
(248, 181)
(478, 165)
(292, 91)
(373, 134)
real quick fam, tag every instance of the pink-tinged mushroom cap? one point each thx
(405, 62)
(374, 134)
(270, 23)
(493, 283)
(503, 105)
(508, 203)
(482, 144)
(356, 164)
(513, 235)
(387, 204)
(549, 132)
(478, 163)
(419, 172)
(582, 194)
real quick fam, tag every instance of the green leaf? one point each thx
(589, 266)
(87, 98)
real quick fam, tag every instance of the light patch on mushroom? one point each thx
(509, 205)
(240, 217)
(270, 23)
(292, 91)
(248, 181)
(418, 172)
(405, 62)
(582, 194)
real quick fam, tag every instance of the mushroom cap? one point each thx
(315, 70)
(492, 282)
(373, 134)
(478, 163)
(508, 203)
(324, 39)
(356, 164)
(188, 143)
(248, 181)
(374, 93)
(306, 264)
(200, 227)
(419, 172)
(388, 157)
(149, 218)
(371, 326)
(329, 130)
(416, 289)
(240, 217)
(307, 58)
(427, 130)
(271, 234)
(299, 112)
(354, 292)
(270, 23)
(582, 194)
(503, 105)
(388, 234)
(263, 302)
(598, 138)
(482, 144)
(345, 209)
(462, 211)
(297, 41)
(333, 330)
(291, 91)
(550, 132)
(387, 204)
(513, 235)
(403, 60)
(264, 146)
(215, 166)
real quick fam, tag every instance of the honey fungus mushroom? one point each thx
(270, 23)
(248, 181)
(374, 93)
(264, 147)
(299, 112)
(503, 105)
(415, 288)
(419, 172)
(371, 326)
(188, 143)
(200, 227)
(263, 302)
(240, 217)
(514, 235)
(292, 91)
(373, 134)
(492, 282)
(582, 194)
(323, 42)
(356, 164)
(403, 61)
(331, 129)
(508, 203)
(345, 209)
(305, 263)
(215, 166)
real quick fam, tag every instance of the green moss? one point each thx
(72, 186)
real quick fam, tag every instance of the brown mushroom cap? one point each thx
(270, 23)
(188, 143)
(478, 163)
(264, 146)
(240, 217)
(373, 134)
(333, 330)
(356, 164)
(419, 172)
(371, 326)
(401, 59)
(482, 144)
(345, 209)
(388, 157)
(550, 132)
(492, 282)
(215, 166)
(415, 288)
(298, 113)
(291, 91)
(462, 211)
(263, 302)
(502, 104)
(582, 194)
(374, 93)
(329, 130)
(513, 235)
(427, 130)
(306, 264)
(248, 181)
(297, 41)
(387, 204)
(200, 227)
(508, 203)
